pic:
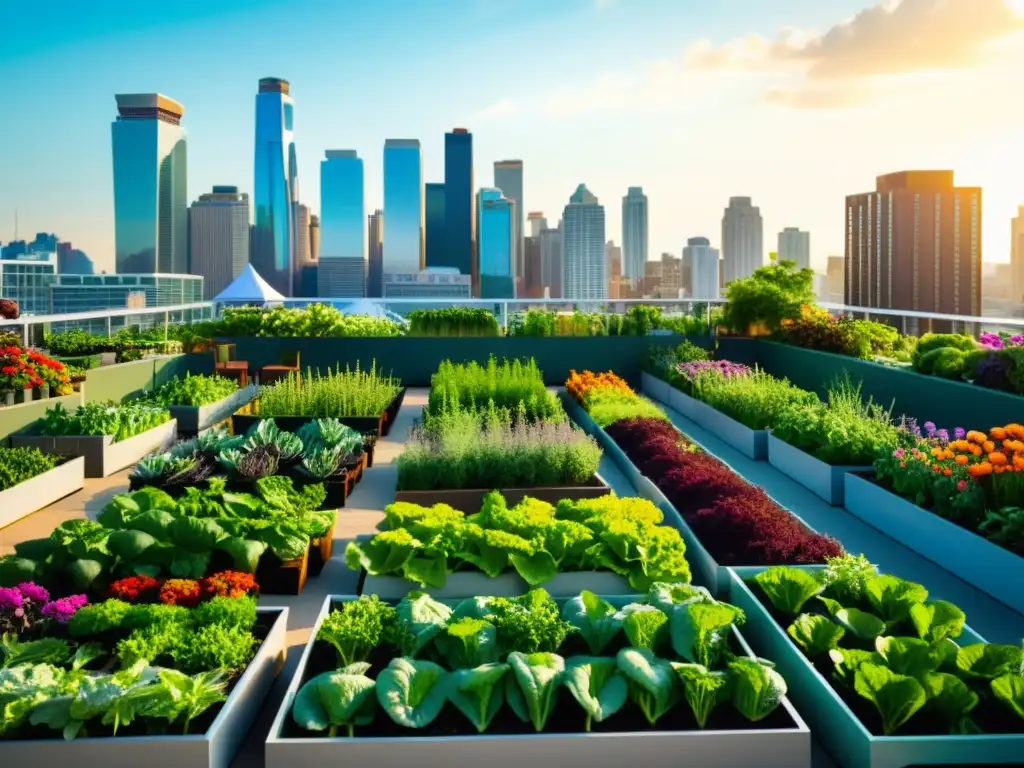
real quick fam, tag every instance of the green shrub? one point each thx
(972, 360)
(772, 294)
(948, 363)
(511, 384)
(755, 400)
(932, 341)
(453, 321)
(20, 464)
(334, 395)
(195, 390)
(1015, 370)
(607, 406)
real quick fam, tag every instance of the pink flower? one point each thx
(32, 591)
(961, 486)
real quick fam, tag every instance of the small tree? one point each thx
(771, 295)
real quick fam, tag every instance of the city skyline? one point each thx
(758, 114)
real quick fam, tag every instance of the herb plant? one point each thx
(121, 421)
(193, 390)
(20, 464)
(335, 394)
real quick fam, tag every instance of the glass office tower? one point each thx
(460, 220)
(435, 225)
(508, 177)
(150, 159)
(341, 271)
(497, 237)
(403, 206)
(275, 187)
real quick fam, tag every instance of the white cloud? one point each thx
(499, 109)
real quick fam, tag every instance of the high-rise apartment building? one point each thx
(742, 239)
(435, 225)
(915, 243)
(551, 260)
(219, 238)
(314, 238)
(795, 246)
(531, 283)
(613, 263)
(671, 285)
(460, 218)
(703, 263)
(403, 206)
(584, 273)
(341, 270)
(508, 177)
(634, 234)
(835, 279)
(276, 186)
(1017, 258)
(496, 239)
(375, 254)
(150, 158)
(303, 251)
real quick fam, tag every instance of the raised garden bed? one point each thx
(214, 749)
(320, 551)
(465, 499)
(42, 490)
(376, 425)
(825, 481)
(979, 562)
(103, 457)
(509, 584)
(282, 577)
(193, 419)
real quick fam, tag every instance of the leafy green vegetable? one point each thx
(478, 693)
(700, 631)
(645, 626)
(815, 634)
(757, 689)
(893, 598)
(846, 661)
(93, 619)
(359, 627)
(913, 657)
(704, 689)
(422, 618)
(788, 588)
(530, 623)
(951, 700)
(332, 700)
(937, 620)
(653, 684)
(468, 642)
(598, 685)
(48, 650)
(990, 660)
(1009, 689)
(597, 620)
(858, 623)
(844, 577)
(532, 688)
(413, 692)
(896, 697)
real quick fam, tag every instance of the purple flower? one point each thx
(10, 599)
(1017, 341)
(725, 368)
(63, 609)
(32, 591)
(991, 340)
(929, 428)
(942, 435)
(959, 433)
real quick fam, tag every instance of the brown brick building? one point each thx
(915, 243)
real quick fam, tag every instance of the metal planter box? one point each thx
(752, 443)
(42, 490)
(775, 748)
(104, 457)
(655, 388)
(194, 419)
(582, 419)
(823, 480)
(509, 584)
(982, 564)
(848, 742)
(214, 749)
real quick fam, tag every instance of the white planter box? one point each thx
(982, 564)
(192, 419)
(752, 443)
(214, 749)
(823, 480)
(776, 748)
(509, 584)
(42, 490)
(104, 457)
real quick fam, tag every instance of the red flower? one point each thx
(230, 584)
(9, 370)
(186, 592)
(135, 589)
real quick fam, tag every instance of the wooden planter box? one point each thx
(785, 747)
(848, 742)
(103, 457)
(509, 584)
(825, 481)
(378, 425)
(214, 749)
(277, 577)
(470, 500)
(982, 564)
(42, 490)
(194, 419)
(320, 551)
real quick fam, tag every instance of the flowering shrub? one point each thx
(579, 384)
(136, 589)
(1001, 340)
(28, 369)
(232, 584)
(186, 592)
(607, 398)
(737, 522)
(817, 329)
(26, 607)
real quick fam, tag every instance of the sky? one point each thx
(795, 103)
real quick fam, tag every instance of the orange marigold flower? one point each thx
(961, 460)
(976, 450)
(989, 446)
(980, 470)
(997, 458)
(1016, 430)
(936, 452)
(998, 433)
(976, 437)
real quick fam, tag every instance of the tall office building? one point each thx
(634, 234)
(835, 279)
(496, 232)
(1017, 258)
(375, 254)
(671, 284)
(150, 157)
(341, 270)
(435, 225)
(915, 243)
(460, 219)
(551, 260)
(584, 273)
(742, 239)
(219, 238)
(508, 177)
(613, 262)
(303, 252)
(703, 263)
(531, 283)
(276, 186)
(403, 206)
(314, 238)
(795, 246)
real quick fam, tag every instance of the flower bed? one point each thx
(26, 370)
(142, 678)
(886, 677)
(31, 480)
(498, 681)
(620, 542)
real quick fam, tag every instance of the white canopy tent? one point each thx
(249, 288)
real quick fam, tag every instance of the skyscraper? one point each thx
(460, 218)
(551, 260)
(915, 243)
(703, 263)
(795, 246)
(613, 261)
(375, 260)
(835, 279)
(634, 234)
(742, 239)
(435, 239)
(508, 177)
(532, 283)
(584, 273)
(314, 238)
(150, 158)
(403, 206)
(303, 252)
(496, 230)
(341, 270)
(276, 186)
(219, 238)
(1017, 257)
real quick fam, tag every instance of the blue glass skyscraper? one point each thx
(341, 271)
(275, 187)
(435, 240)
(403, 207)
(497, 238)
(150, 160)
(460, 221)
